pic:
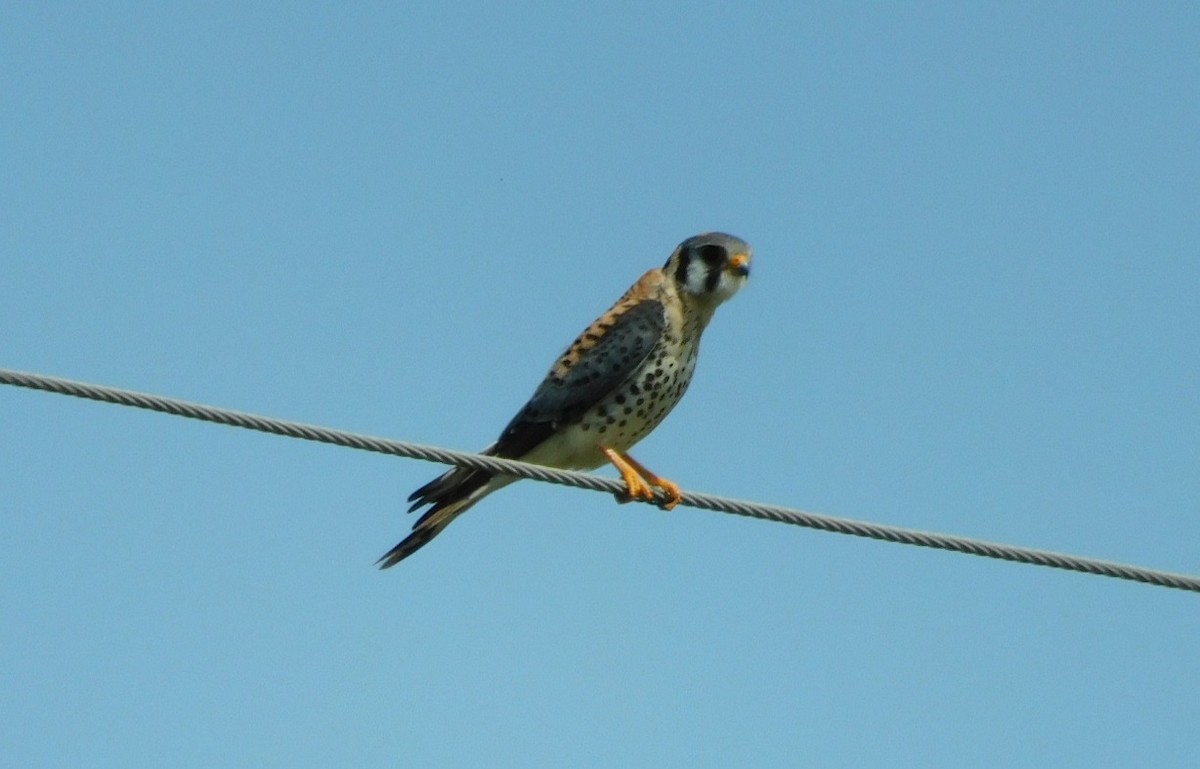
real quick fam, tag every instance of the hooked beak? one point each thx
(740, 265)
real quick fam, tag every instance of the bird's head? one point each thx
(710, 267)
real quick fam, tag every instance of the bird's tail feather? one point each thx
(450, 495)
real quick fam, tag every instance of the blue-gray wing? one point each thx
(574, 386)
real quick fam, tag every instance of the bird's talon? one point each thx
(673, 494)
(642, 484)
(639, 489)
(669, 503)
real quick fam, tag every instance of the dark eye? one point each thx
(712, 255)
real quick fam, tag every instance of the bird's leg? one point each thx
(639, 480)
(635, 486)
(674, 494)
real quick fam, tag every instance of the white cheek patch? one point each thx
(696, 275)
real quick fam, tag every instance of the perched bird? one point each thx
(608, 390)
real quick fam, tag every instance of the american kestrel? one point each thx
(608, 390)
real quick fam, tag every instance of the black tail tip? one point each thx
(409, 545)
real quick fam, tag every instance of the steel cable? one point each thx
(597, 483)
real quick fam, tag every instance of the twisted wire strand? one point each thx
(750, 509)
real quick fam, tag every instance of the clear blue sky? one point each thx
(974, 309)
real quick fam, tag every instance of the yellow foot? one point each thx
(640, 482)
